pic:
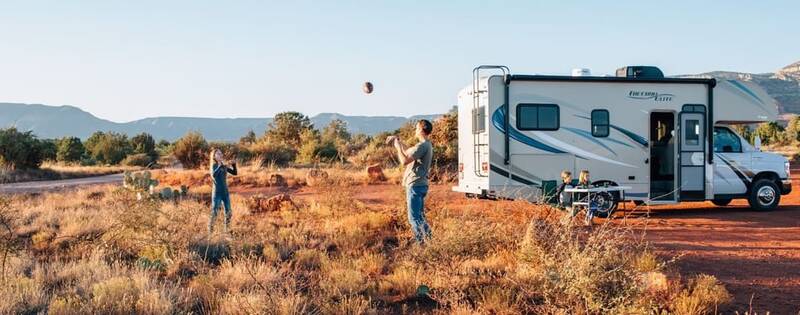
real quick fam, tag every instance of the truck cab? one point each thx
(742, 171)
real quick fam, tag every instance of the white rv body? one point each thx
(648, 134)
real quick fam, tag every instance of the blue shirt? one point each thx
(219, 173)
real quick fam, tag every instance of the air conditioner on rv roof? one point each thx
(640, 72)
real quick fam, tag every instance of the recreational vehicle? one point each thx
(667, 139)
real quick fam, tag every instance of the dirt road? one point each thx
(39, 186)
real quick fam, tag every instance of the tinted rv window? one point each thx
(692, 132)
(537, 117)
(725, 141)
(600, 123)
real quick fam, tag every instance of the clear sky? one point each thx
(125, 60)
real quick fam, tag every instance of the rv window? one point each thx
(692, 132)
(725, 141)
(600, 123)
(537, 117)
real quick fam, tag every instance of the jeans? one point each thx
(216, 199)
(415, 196)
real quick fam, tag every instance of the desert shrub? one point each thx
(138, 159)
(108, 147)
(287, 127)
(314, 148)
(164, 147)
(191, 150)
(249, 138)
(266, 153)
(10, 243)
(595, 273)
(20, 150)
(376, 153)
(445, 147)
(70, 149)
(144, 143)
(771, 133)
(793, 129)
(703, 295)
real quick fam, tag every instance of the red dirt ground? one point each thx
(756, 255)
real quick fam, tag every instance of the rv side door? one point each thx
(692, 148)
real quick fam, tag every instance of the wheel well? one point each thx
(603, 181)
(768, 175)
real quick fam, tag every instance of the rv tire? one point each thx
(721, 202)
(764, 195)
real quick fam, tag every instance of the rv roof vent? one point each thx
(581, 72)
(640, 72)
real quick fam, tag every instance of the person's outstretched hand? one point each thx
(391, 139)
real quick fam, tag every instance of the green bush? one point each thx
(48, 148)
(70, 149)
(191, 150)
(144, 143)
(108, 147)
(19, 150)
(265, 153)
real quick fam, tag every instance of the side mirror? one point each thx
(757, 143)
(727, 148)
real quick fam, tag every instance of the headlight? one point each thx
(788, 168)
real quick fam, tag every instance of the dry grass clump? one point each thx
(100, 250)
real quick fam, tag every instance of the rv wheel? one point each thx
(721, 202)
(606, 204)
(764, 195)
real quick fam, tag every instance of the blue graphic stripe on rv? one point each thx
(503, 172)
(641, 140)
(588, 135)
(497, 120)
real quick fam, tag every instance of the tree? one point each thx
(108, 147)
(144, 143)
(19, 150)
(164, 147)
(248, 138)
(771, 133)
(191, 150)
(48, 148)
(335, 140)
(70, 149)
(793, 128)
(310, 140)
(287, 127)
(336, 131)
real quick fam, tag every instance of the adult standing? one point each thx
(417, 162)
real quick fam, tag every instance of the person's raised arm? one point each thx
(404, 157)
(233, 171)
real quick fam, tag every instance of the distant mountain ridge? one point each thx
(59, 121)
(783, 85)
